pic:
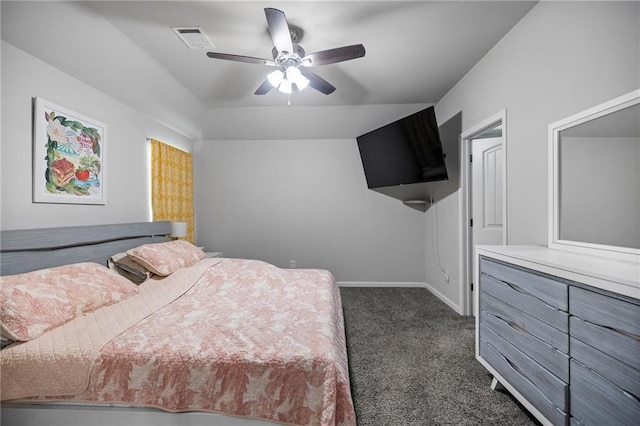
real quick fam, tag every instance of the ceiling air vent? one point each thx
(194, 37)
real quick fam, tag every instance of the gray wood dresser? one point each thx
(561, 332)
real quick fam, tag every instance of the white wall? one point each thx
(561, 58)
(306, 200)
(127, 176)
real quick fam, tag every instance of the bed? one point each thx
(212, 341)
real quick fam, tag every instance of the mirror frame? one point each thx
(554, 240)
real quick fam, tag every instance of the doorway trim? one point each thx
(466, 255)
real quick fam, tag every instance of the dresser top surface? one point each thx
(600, 272)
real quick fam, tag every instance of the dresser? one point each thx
(561, 332)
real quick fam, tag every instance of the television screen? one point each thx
(404, 152)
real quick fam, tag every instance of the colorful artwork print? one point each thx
(69, 156)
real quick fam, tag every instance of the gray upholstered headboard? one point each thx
(27, 250)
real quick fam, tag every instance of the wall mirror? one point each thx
(594, 185)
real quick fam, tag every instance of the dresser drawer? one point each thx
(554, 389)
(606, 311)
(525, 301)
(525, 322)
(619, 373)
(618, 345)
(597, 401)
(546, 355)
(514, 377)
(552, 292)
(606, 323)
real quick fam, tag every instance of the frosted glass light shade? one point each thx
(295, 76)
(275, 78)
(285, 86)
(178, 229)
(302, 83)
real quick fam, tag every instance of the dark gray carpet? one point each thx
(412, 362)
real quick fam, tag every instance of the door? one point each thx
(486, 193)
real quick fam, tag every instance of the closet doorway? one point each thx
(483, 208)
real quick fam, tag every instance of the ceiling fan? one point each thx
(290, 59)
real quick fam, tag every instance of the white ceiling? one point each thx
(415, 50)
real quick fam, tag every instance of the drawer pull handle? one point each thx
(510, 323)
(514, 367)
(631, 396)
(615, 330)
(596, 373)
(518, 371)
(524, 331)
(520, 290)
(517, 328)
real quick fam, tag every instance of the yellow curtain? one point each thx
(172, 185)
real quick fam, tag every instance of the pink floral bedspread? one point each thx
(249, 339)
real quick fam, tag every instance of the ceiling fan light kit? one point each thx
(291, 60)
(284, 80)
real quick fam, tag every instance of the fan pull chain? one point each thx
(288, 99)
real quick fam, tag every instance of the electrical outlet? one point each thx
(292, 264)
(446, 277)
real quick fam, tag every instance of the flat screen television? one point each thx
(403, 152)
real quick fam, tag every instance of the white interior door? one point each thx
(487, 193)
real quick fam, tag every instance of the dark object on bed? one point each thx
(122, 264)
(4, 342)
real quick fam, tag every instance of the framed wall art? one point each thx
(68, 156)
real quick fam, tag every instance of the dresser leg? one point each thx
(496, 385)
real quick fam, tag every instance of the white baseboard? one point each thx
(380, 284)
(442, 297)
(436, 293)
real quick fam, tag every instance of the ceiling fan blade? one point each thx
(317, 82)
(331, 56)
(264, 88)
(279, 30)
(240, 58)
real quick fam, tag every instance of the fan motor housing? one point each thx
(298, 52)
